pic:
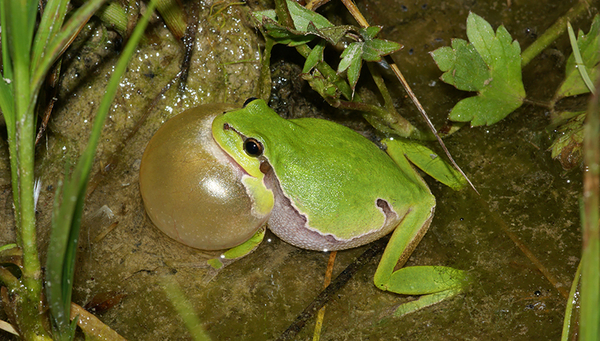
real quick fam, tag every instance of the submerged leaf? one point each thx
(589, 47)
(567, 147)
(489, 64)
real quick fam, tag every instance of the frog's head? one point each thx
(238, 134)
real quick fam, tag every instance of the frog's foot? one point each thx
(434, 283)
(239, 251)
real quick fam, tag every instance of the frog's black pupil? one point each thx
(249, 100)
(253, 147)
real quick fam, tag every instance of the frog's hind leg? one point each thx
(435, 283)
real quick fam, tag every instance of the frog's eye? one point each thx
(253, 147)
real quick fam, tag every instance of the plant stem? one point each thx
(264, 81)
(30, 291)
(328, 72)
(283, 14)
(552, 33)
(590, 280)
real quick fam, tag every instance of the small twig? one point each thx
(321, 314)
(363, 22)
(7, 327)
(314, 4)
(552, 33)
(104, 233)
(91, 325)
(339, 282)
(572, 302)
(540, 266)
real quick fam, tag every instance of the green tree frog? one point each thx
(329, 188)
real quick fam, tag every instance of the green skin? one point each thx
(342, 190)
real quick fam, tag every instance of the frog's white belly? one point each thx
(291, 226)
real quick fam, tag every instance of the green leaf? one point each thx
(315, 56)
(370, 32)
(351, 61)
(284, 35)
(489, 64)
(270, 13)
(332, 34)
(307, 27)
(375, 49)
(371, 50)
(50, 24)
(465, 68)
(351, 52)
(302, 17)
(589, 47)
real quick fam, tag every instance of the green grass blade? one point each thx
(60, 41)
(19, 34)
(184, 309)
(7, 105)
(67, 220)
(6, 60)
(579, 61)
(51, 22)
(569, 309)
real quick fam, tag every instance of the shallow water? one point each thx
(522, 191)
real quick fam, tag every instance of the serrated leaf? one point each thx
(589, 47)
(465, 69)
(489, 64)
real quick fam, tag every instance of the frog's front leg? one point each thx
(239, 251)
(435, 283)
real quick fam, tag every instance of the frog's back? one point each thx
(354, 192)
